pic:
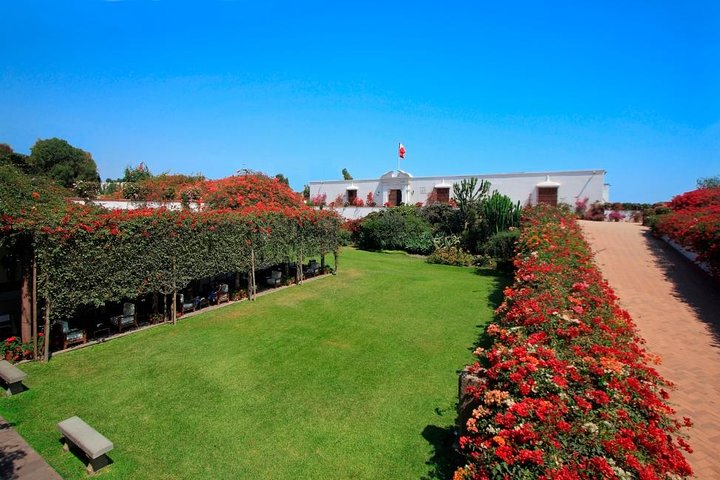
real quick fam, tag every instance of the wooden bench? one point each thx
(13, 376)
(78, 433)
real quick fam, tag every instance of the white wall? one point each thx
(134, 204)
(522, 187)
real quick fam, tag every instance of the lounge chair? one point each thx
(312, 269)
(127, 318)
(275, 278)
(223, 294)
(66, 336)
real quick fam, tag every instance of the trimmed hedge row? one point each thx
(566, 390)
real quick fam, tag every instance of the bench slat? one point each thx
(85, 437)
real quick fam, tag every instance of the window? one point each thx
(351, 196)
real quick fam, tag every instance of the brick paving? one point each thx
(18, 460)
(676, 307)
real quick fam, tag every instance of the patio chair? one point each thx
(66, 336)
(312, 269)
(223, 294)
(127, 318)
(189, 306)
(274, 279)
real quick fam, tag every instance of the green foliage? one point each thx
(500, 213)
(306, 191)
(83, 257)
(283, 179)
(443, 219)
(709, 182)
(62, 162)
(469, 196)
(653, 214)
(501, 247)
(134, 191)
(451, 256)
(17, 160)
(31, 196)
(397, 228)
(137, 174)
(346, 175)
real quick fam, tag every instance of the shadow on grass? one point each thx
(445, 458)
(691, 285)
(501, 280)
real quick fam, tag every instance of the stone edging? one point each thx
(692, 256)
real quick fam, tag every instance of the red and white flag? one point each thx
(401, 150)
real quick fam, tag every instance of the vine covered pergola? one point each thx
(83, 255)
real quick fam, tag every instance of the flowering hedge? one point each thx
(566, 390)
(88, 256)
(694, 223)
(236, 191)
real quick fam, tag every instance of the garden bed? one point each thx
(566, 389)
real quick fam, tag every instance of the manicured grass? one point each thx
(349, 376)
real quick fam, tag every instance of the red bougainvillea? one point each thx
(694, 223)
(566, 390)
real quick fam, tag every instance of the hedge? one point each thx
(694, 222)
(88, 256)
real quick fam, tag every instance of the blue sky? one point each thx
(309, 88)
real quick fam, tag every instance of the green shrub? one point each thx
(397, 228)
(451, 256)
(651, 215)
(345, 237)
(499, 214)
(443, 219)
(501, 247)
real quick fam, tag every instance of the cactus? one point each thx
(500, 213)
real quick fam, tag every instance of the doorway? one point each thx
(548, 195)
(395, 197)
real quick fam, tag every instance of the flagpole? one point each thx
(398, 157)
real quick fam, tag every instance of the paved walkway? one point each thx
(18, 460)
(677, 309)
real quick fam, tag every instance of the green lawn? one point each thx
(349, 376)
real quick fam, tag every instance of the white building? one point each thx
(399, 187)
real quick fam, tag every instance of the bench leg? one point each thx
(14, 388)
(96, 464)
(66, 445)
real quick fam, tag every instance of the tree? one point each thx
(469, 197)
(9, 157)
(282, 179)
(709, 182)
(62, 162)
(141, 172)
(346, 175)
(306, 191)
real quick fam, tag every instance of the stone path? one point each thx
(677, 309)
(18, 460)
